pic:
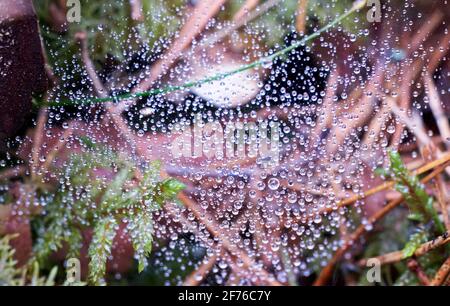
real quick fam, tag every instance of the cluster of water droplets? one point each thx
(284, 219)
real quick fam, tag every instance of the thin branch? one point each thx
(218, 36)
(415, 267)
(399, 256)
(136, 10)
(441, 274)
(425, 31)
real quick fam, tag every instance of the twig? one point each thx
(360, 113)
(441, 274)
(386, 185)
(439, 53)
(196, 277)
(325, 274)
(399, 256)
(415, 124)
(136, 10)
(248, 6)
(414, 267)
(327, 109)
(37, 140)
(443, 199)
(436, 108)
(302, 13)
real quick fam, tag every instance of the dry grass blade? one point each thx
(415, 124)
(219, 35)
(414, 267)
(248, 6)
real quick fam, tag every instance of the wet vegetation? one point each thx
(92, 167)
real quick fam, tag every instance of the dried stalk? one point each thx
(218, 36)
(415, 124)
(398, 255)
(360, 113)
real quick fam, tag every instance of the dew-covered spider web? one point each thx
(223, 142)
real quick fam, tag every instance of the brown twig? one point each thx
(443, 199)
(302, 13)
(386, 185)
(248, 6)
(360, 113)
(441, 274)
(219, 35)
(439, 53)
(399, 256)
(416, 125)
(196, 277)
(415, 267)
